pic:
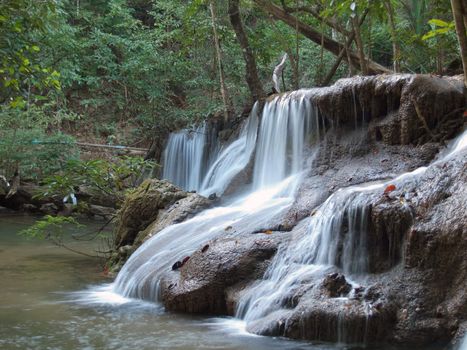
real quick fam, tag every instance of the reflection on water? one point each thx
(41, 306)
(47, 301)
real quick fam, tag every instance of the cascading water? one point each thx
(282, 135)
(463, 344)
(285, 123)
(183, 158)
(336, 231)
(322, 246)
(232, 159)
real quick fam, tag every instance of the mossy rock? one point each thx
(142, 206)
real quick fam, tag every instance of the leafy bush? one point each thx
(99, 175)
(28, 144)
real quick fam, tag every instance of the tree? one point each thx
(459, 10)
(395, 45)
(318, 37)
(225, 95)
(23, 75)
(254, 84)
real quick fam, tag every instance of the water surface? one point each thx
(45, 304)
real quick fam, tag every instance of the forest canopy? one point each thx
(125, 71)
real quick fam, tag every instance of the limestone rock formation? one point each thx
(414, 290)
(154, 205)
(200, 285)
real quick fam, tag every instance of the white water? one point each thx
(312, 254)
(463, 344)
(285, 124)
(183, 158)
(282, 135)
(233, 159)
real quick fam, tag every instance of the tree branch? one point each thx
(315, 36)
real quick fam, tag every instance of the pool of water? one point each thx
(46, 302)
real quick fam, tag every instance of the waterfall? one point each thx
(463, 344)
(335, 237)
(184, 158)
(233, 159)
(282, 136)
(286, 122)
(310, 255)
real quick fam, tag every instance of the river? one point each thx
(40, 306)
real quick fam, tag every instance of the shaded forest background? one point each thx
(130, 71)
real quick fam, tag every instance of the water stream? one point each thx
(311, 255)
(118, 315)
(285, 123)
(45, 304)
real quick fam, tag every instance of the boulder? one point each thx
(200, 285)
(154, 205)
(141, 208)
(179, 211)
(336, 285)
(104, 212)
(417, 292)
(401, 108)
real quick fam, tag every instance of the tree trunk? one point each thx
(295, 61)
(224, 92)
(252, 79)
(459, 11)
(351, 67)
(360, 47)
(343, 52)
(315, 36)
(396, 52)
(293, 56)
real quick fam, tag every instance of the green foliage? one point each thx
(149, 66)
(99, 175)
(50, 227)
(440, 27)
(24, 77)
(27, 146)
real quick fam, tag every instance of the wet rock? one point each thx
(30, 208)
(335, 320)
(4, 186)
(336, 285)
(176, 266)
(434, 280)
(416, 243)
(201, 285)
(154, 205)
(98, 198)
(388, 227)
(416, 238)
(104, 212)
(372, 293)
(399, 107)
(142, 207)
(49, 208)
(179, 211)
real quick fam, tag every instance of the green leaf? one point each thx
(439, 23)
(18, 102)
